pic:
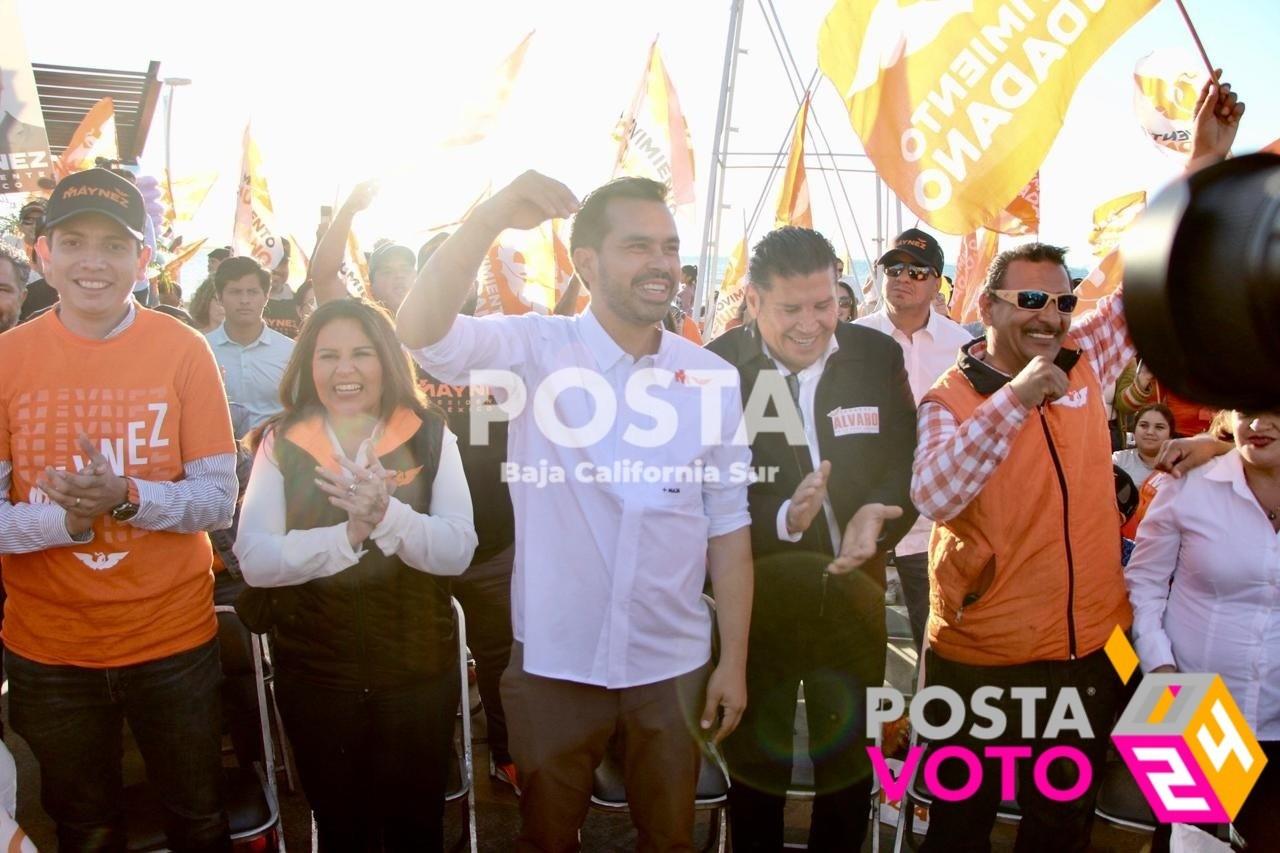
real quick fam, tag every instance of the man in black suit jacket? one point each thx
(832, 499)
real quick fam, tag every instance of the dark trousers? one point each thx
(913, 572)
(1046, 825)
(560, 731)
(837, 664)
(72, 718)
(484, 591)
(374, 764)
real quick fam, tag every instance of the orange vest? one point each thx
(1030, 569)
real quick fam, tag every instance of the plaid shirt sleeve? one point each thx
(1103, 336)
(954, 460)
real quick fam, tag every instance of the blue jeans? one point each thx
(72, 718)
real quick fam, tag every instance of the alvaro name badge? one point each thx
(859, 420)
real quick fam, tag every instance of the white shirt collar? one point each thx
(814, 369)
(603, 348)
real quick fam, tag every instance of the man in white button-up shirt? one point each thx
(629, 492)
(930, 345)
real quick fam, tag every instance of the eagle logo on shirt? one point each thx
(100, 561)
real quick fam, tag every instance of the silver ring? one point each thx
(77, 503)
(351, 489)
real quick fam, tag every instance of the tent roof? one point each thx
(68, 93)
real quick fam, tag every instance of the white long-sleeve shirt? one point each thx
(440, 543)
(1221, 614)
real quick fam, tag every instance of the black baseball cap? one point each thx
(387, 252)
(97, 191)
(915, 245)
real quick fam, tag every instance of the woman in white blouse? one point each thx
(356, 508)
(1204, 581)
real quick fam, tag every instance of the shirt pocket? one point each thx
(965, 572)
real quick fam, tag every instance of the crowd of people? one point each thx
(327, 462)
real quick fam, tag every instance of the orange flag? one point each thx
(1110, 219)
(957, 102)
(1022, 215)
(188, 252)
(653, 138)
(793, 202)
(94, 138)
(733, 289)
(977, 251)
(526, 271)
(478, 121)
(1101, 280)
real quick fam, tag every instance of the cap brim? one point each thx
(905, 253)
(137, 235)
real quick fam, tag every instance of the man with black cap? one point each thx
(115, 459)
(930, 343)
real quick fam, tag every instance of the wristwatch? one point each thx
(127, 508)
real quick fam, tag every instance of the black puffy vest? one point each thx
(378, 623)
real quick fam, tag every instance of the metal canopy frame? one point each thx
(67, 93)
(826, 158)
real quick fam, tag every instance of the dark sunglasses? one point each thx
(914, 272)
(1036, 300)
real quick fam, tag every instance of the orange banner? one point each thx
(94, 138)
(977, 251)
(526, 271)
(957, 102)
(793, 201)
(1022, 215)
(1103, 279)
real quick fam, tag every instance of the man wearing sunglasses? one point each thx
(1014, 465)
(930, 343)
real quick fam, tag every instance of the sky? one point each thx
(339, 93)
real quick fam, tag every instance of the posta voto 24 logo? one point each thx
(1182, 737)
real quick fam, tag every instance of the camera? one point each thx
(1202, 284)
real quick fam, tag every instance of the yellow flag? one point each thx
(793, 201)
(1110, 219)
(653, 138)
(94, 138)
(479, 119)
(958, 101)
(299, 263)
(733, 289)
(1167, 85)
(255, 232)
(977, 251)
(1101, 280)
(188, 252)
(1022, 215)
(182, 197)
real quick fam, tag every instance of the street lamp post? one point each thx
(172, 83)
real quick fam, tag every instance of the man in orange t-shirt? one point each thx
(116, 455)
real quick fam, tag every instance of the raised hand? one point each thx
(1041, 381)
(1218, 112)
(527, 202)
(806, 503)
(362, 196)
(862, 536)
